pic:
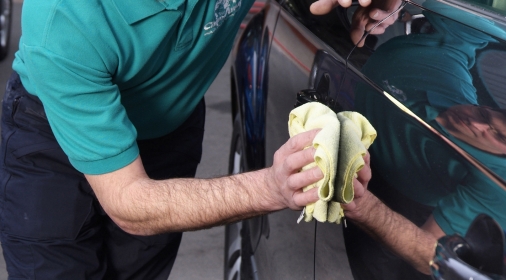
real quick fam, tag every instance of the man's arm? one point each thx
(142, 206)
(413, 244)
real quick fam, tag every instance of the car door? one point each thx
(414, 78)
(288, 249)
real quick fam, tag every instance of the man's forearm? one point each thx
(148, 206)
(404, 238)
(142, 206)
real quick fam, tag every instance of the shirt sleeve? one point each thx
(84, 109)
(475, 195)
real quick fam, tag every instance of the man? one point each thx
(105, 105)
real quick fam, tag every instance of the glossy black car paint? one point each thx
(285, 50)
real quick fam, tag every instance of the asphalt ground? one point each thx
(201, 252)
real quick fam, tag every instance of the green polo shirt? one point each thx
(112, 71)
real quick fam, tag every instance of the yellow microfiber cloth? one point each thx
(340, 146)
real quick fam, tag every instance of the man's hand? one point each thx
(322, 7)
(284, 177)
(365, 17)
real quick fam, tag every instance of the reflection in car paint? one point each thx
(296, 35)
(430, 76)
(439, 85)
(367, 33)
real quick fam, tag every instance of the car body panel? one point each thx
(307, 52)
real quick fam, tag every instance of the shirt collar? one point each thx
(136, 10)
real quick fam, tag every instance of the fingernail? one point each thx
(320, 173)
(364, 3)
(375, 15)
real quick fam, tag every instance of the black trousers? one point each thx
(52, 226)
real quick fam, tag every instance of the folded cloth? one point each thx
(340, 145)
(357, 135)
(311, 116)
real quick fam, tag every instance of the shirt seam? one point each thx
(49, 22)
(107, 158)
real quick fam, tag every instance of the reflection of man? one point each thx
(434, 190)
(365, 17)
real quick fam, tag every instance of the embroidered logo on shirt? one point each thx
(222, 10)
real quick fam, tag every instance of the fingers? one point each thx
(378, 15)
(302, 179)
(290, 185)
(322, 7)
(295, 184)
(367, 158)
(365, 174)
(349, 207)
(344, 3)
(367, 19)
(356, 35)
(298, 142)
(358, 188)
(294, 162)
(292, 156)
(358, 24)
(302, 199)
(284, 177)
(364, 3)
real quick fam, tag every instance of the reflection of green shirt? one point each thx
(429, 73)
(112, 71)
(424, 169)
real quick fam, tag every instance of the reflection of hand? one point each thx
(322, 7)
(355, 209)
(398, 234)
(365, 18)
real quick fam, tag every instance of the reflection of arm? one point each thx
(413, 244)
(474, 195)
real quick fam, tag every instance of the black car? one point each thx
(433, 86)
(5, 26)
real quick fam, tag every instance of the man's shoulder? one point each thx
(44, 20)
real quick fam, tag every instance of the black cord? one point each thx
(314, 251)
